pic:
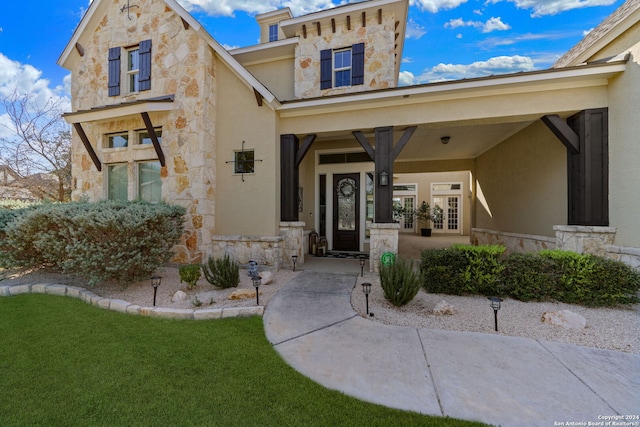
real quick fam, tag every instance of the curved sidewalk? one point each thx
(507, 381)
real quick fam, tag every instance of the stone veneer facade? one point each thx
(184, 66)
(379, 40)
(383, 238)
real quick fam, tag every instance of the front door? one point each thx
(346, 212)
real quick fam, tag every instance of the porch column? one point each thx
(289, 178)
(293, 243)
(384, 164)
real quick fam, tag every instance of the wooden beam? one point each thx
(406, 136)
(154, 138)
(258, 97)
(319, 28)
(349, 22)
(563, 132)
(364, 19)
(80, 49)
(371, 152)
(304, 31)
(185, 24)
(333, 25)
(306, 145)
(379, 16)
(88, 146)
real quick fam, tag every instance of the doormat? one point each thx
(348, 255)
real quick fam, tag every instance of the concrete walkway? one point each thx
(499, 380)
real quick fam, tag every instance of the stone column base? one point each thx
(383, 238)
(584, 239)
(293, 243)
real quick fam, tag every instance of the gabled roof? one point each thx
(221, 52)
(613, 26)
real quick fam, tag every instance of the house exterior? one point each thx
(308, 130)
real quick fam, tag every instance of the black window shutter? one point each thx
(114, 71)
(326, 69)
(145, 64)
(357, 64)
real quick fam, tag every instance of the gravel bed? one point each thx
(615, 329)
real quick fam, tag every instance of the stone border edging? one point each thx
(126, 307)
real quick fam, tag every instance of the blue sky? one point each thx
(446, 39)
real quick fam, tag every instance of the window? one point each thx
(133, 69)
(273, 32)
(149, 182)
(244, 162)
(137, 68)
(118, 140)
(342, 67)
(145, 138)
(118, 182)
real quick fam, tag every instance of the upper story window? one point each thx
(133, 69)
(244, 162)
(342, 67)
(273, 33)
(137, 68)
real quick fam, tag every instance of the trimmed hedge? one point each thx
(120, 241)
(549, 275)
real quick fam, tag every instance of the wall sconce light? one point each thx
(495, 304)
(384, 178)
(445, 140)
(294, 258)
(155, 282)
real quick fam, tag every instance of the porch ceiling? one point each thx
(467, 141)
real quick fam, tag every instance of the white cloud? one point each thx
(586, 32)
(229, 7)
(434, 6)
(492, 66)
(407, 60)
(553, 7)
(26, 79)
(493, 24)
(415, 30)
(406, 78)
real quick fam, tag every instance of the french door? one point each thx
(450, 206)
(407, 222)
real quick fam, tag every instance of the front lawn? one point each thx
(63, 362)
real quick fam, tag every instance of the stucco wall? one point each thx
(182, 65)
(251, 207)
(277, 76)
(522, 184)
(624, 151)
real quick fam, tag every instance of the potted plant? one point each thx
(424, 215)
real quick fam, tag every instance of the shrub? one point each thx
(528, 277)
(222, 272)
(400, 282)
(441, 270)
(575, 272)
(612, 282)
(483, 269)
(120, 241)
(190, 274)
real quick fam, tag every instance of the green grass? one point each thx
(65, 363)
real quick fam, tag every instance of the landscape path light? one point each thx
(294, 258)
(362, 261)
(256, 283)
(366, 288)
(495, 304)
(155, 282)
